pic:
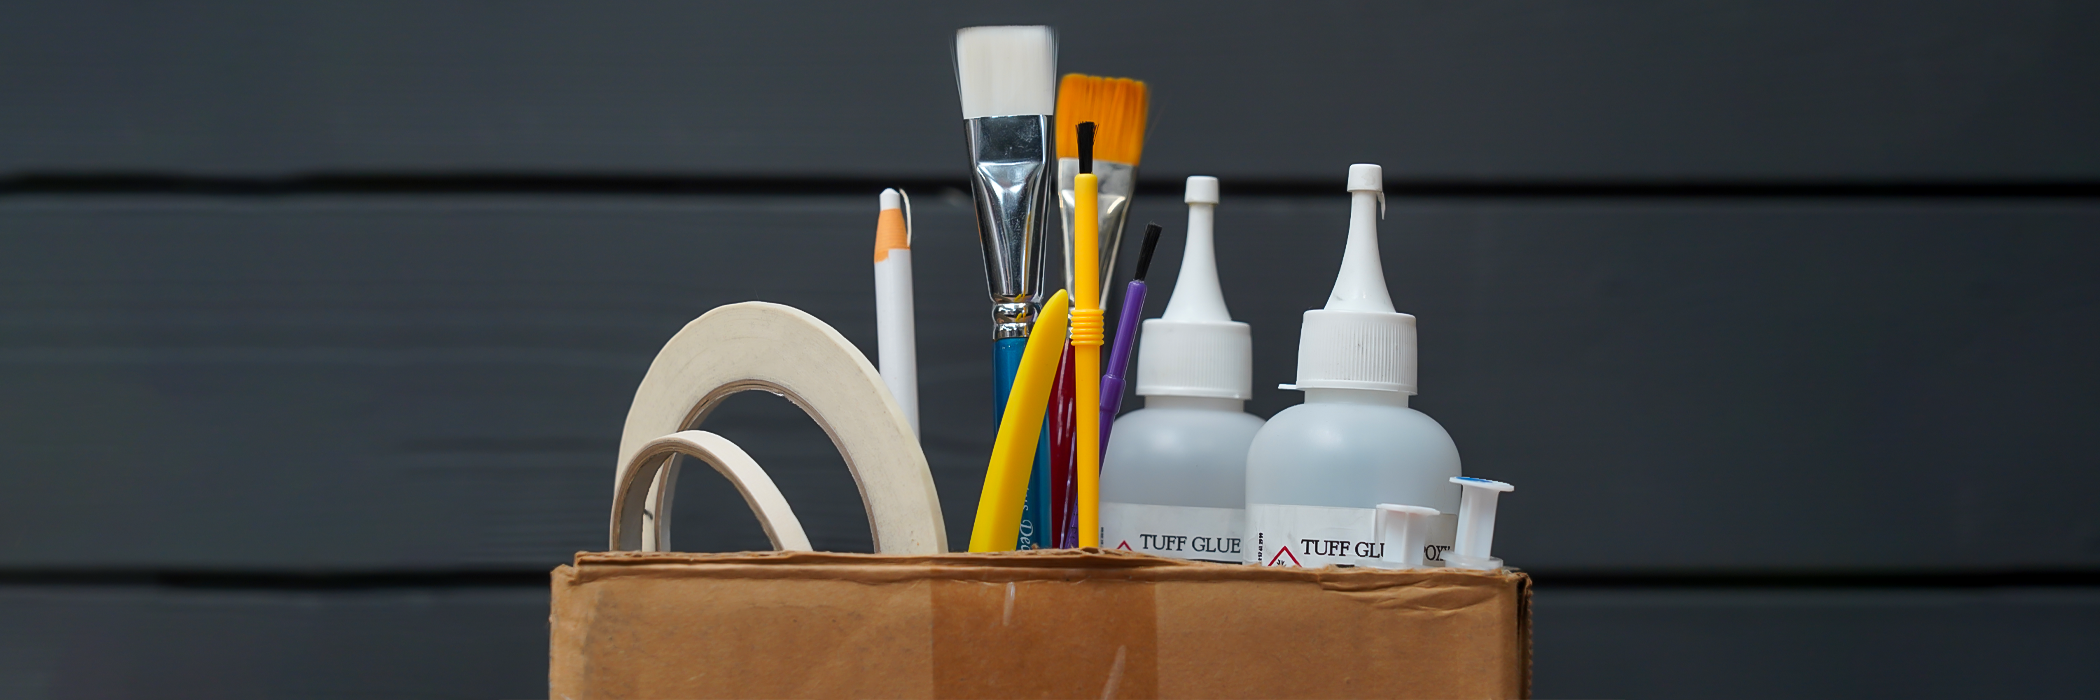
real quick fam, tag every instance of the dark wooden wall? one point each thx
(318, 321)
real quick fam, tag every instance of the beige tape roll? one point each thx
(780, 349)
(782, 528)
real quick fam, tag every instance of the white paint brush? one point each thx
(1007, 78)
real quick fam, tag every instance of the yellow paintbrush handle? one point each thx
(1006, 478)
(1086, 365)
(1086, 355)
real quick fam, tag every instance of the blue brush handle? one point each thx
(1006, 362)
(1035, 510)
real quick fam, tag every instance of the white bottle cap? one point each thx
(1476, 524)
(1201, 189)
(1195, 348)
(1404, 531)
(1358, 341)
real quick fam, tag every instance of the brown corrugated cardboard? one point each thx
(1051, 624)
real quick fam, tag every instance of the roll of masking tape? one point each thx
(779, 521)
(757, 346)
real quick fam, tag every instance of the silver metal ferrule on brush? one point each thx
(1118, 184)
(1012, 188)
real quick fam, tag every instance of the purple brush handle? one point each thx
(1119, 358)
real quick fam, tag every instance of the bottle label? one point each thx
(1316, 536)
(1181, 532)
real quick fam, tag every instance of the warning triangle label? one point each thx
(1125, 546)
(1283, 553)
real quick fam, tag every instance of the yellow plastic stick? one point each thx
(1086, 357)
(1006, 478)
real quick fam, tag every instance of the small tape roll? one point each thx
(779, 521)
(757, 346)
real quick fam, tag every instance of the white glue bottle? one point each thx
(1319, 470)
(1174, 480)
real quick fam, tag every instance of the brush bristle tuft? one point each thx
(1086, 148)
(1006, 71)
(1117, 105)
(1145, 253)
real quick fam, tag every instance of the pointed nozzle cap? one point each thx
(1357, 341)
(1360, 285)
(1195, 348)
(1197, 296)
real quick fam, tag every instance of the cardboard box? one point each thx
(1050, 624)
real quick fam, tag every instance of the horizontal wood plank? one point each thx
(123, 641)
(1877, 91)
(383, 383)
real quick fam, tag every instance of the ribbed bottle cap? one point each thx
(1358, 341)
(1357, 350)
(1196, 358)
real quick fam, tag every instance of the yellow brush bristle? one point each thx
(1117, 108)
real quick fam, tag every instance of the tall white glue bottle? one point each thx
(1318, 471)
(1174, 480)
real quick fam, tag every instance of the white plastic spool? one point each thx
(1404, 530)
(1476, 523)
